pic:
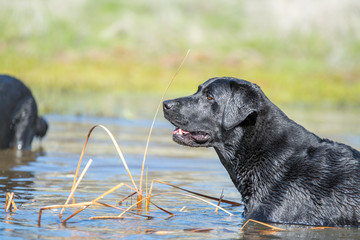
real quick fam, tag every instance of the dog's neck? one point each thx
(246, 159)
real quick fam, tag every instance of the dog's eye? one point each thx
(209, 97)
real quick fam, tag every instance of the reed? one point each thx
(10, 203)
(95, 201)
(152, 125)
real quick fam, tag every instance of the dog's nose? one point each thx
(168, 104)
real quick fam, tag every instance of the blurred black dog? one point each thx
(284, 173)
(19, 121)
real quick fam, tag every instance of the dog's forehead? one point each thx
(215, 83)
(225, 82)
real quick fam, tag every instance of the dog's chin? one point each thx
(191, 139)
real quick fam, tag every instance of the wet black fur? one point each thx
(285, 173)
(19, 121)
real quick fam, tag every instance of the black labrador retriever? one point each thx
(284, 173)
(19, 121)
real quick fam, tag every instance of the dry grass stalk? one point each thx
(195, 197)
(124, 199)
(95, 201)
(83, 204)
(152, 125)
(198, 230)
(273, 228)
(167, 193)
(10, 203)
(75, 213)
(233, 204)
(220, 199)
(116, 217)
(61, 206)
(164, 193)
(322, 228)
(162, 209)
(182, 209)
(73, 189)
(117, 149)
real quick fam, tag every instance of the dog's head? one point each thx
(219, 106)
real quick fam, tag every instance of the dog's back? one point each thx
(313, 181)
(19, 121)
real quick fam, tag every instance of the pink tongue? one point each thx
(180, 131)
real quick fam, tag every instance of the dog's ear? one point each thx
(242, 104)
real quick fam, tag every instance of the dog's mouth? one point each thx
(188, 138)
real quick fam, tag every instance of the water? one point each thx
(44, 177)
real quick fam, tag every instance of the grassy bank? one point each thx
(109, 48)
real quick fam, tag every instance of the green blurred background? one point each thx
(106, 57)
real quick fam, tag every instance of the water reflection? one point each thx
(12, 179)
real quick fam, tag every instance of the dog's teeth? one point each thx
(179, 131)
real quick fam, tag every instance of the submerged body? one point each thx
(284, 173)
(19, 120)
